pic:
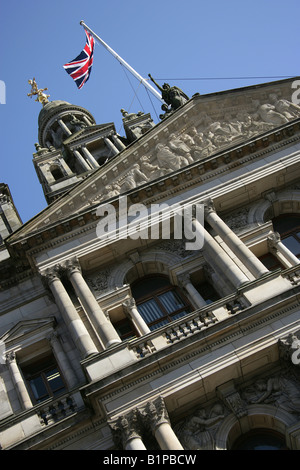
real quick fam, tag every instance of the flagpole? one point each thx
(122, 61)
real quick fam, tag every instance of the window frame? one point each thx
(154, 295)
(43, 367)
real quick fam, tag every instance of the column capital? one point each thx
(71, 266)
(129, 304)
(184, 279)
(53, 337)
(10, 357)
(125, 428)
(209, 207)
(51, 274)
(273, 240)
(156, 413)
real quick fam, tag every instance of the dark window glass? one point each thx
(44, 379)
(207, 292)
(270, 261)
(260, 439)
(158, 301)
(288, 226)
(125, 329)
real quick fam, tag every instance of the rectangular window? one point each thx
(44, 379)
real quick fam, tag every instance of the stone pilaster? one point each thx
(18, 381)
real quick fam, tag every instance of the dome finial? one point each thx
(41, 97)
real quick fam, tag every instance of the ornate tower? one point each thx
(71, 145)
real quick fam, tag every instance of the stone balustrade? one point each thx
(57, 410)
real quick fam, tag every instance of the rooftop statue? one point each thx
(173, 96)
(41, 97)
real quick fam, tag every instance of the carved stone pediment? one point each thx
(197, 132)
(27, 328)
(90, 133)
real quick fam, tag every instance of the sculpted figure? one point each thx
(203, 146)
(168, 159)
(280, 390)
(179, 146)
(197, 431)
(112, 190)
(173, 96)
(268, 114)
(285, 107)
(134, 178)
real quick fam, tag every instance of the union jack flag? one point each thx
(80, 68)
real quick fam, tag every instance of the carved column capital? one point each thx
(51, 275)
(184, 279)
(10, 357)
(72, 266)
(209, 207)
(273, 240)
(53, 337)
(155, 413)
(129, 304)
(126, 428)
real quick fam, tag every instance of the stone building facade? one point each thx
(127, 325)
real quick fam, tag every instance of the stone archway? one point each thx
(285, 202)
(258, 417)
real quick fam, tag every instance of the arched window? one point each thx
(158, 301)
(288, 226)
(260, 439)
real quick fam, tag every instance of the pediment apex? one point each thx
(27, 328)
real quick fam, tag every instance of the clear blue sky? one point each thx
(171, 39)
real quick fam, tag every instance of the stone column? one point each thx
(103, 326)
(284, 255)
(90, 157)
(132, 311)
(197, 298)
(111, 146)
(118, 142)
(127, 432)
(81, 160)
(220, 257)
(63, 361)
(18, 381)
(64, 127)
(243, 253)
(70, 315)
(159, 421)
